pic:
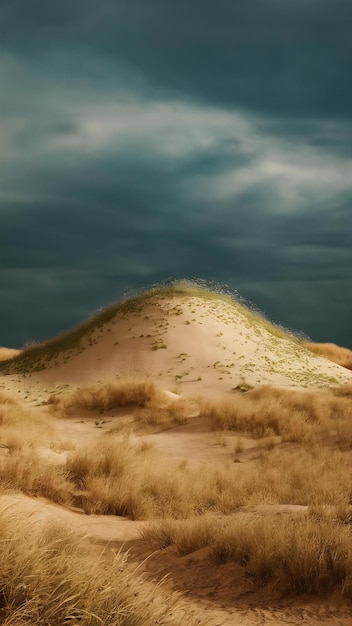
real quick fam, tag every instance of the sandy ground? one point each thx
(211, 595)
(190, 347)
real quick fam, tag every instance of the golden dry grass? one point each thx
(294, 415)
(118, 477)
(297, 553)
(30, 473)
(22, 426)
(8, 353)
(107, 396)
(152, 406)
(333, 352)
(50, 575)
(174, 414)
(124, 476)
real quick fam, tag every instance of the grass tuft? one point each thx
(297, 553)
(57, 578)
(296, 416)
(107, 396)
(331, 351)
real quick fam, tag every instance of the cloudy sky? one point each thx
(143, 140)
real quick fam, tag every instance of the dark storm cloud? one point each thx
(289, 58)
(147, 140)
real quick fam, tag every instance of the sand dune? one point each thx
(199, 341)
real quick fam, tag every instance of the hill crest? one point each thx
(181, 335)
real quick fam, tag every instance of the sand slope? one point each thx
(202, 345)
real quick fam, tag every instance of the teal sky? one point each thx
(142, 141)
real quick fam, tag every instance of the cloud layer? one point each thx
(143, 141)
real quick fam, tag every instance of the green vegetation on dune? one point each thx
(36, 357)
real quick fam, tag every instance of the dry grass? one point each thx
(124, 476)
(108, 396)
(297, 553)
(296, 416)
(55, 578)
(175, 413)
(117, 476)
(342, 391)
(22, 426)
(187, 535)
(331, 351)
(8, 353)
(28, 472)
(153, 407)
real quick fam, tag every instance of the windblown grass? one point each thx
(119, 477)
(294, 415)
(297, 553)
(337, 354)
(105, 397)
(30, 473)
(153, 407)
(50, 575)
(22, 426)
(174, 414)
(343, 390)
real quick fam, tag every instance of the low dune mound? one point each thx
(185, 337)
(333, 352)
(8, 353)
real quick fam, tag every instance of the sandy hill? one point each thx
(184, 336)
